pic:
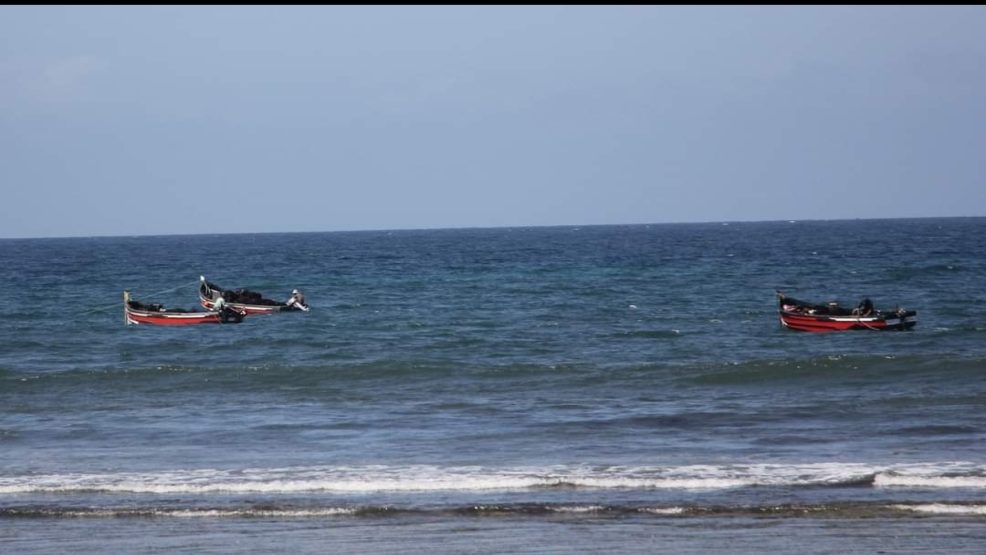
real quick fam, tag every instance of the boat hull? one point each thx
(804, 316)
(136, 313)
(176, 319)
(811, 323)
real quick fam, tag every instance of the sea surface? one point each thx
(598, 389)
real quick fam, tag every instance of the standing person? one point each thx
(297, 300)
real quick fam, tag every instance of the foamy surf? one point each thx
(895, 480)
(944, 509)
(425, 478)
(847, 510)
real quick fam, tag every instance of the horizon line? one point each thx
(490, 227)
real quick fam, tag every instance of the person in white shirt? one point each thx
(226, 313)
(297, 300)
(220, 303)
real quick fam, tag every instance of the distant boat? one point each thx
(804, 316)
(244, 300)
(157, 315)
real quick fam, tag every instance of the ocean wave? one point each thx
(259, 374)
(944, 509)
(836, 366)
(893, 480)
(855, 510)
(651, 334)
(426, 479)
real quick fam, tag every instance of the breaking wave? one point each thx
(425, 479)
(840, 510)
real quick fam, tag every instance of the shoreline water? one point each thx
(555, 534)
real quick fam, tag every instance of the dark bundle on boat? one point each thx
(154, 307)
(831, 308)
(250, 302)
(244, 296)
(249, 297)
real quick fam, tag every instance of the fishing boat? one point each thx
(244, 300)
(805, 316)
(155, 314)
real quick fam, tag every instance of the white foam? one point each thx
(933, 475)
(663, 510)
(886, 481)
(945, 509)
(427, 478)
(274, 513)
(579, 509)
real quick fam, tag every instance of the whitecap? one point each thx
(944, 509)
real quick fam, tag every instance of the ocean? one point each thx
(594, 389)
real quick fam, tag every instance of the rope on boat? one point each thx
(858, 313)
(155, 294)
(196, 282)
(864, 324)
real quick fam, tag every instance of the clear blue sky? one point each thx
(118, 120)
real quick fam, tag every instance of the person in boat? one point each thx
(297, 300)
(226, 313)
(865, 308)
(220, 304)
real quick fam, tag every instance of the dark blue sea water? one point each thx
(565, 389)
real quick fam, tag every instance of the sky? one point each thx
(151, 120)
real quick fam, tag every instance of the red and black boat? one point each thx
(805, 316)
(155, 314)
